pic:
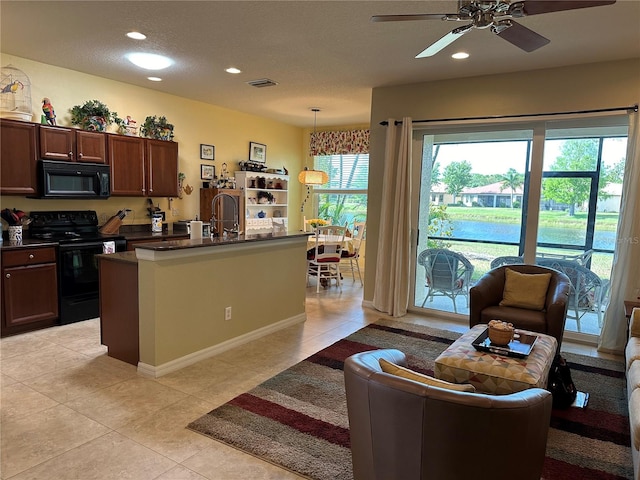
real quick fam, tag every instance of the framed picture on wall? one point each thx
(207, 172)
(257, 152)
(207, 152)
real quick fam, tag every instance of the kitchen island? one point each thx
(199, 297)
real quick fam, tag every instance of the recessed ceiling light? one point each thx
(460, 55)
(233, 70)
(136, 35)
(154, 79)
(150, 61)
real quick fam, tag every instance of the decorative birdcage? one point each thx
(15, 94)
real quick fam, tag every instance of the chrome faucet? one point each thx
(214, 220)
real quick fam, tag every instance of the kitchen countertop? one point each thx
(212, 242)
(124, 257)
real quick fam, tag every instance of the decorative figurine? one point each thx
(49, 113)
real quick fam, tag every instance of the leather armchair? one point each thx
(402, 429)
(486, 294)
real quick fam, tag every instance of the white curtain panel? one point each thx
(625, 275)
(391, 293)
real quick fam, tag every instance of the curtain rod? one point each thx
(601, 110)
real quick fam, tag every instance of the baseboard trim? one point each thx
(174, 365)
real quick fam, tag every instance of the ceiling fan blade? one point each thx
(535, 7)
(522, 37)
(417, 16)
(445, 41)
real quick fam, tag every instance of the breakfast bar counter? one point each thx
(199, 297)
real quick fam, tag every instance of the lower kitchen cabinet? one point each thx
(29, 290)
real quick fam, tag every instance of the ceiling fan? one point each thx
(496, 15)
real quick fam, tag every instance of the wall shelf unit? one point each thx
(266, 199)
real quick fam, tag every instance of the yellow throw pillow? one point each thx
(525, 290)
(399, 371)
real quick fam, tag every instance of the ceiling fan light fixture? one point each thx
(460, 55)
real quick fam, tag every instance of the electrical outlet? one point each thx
(175, 212)
(227, 313)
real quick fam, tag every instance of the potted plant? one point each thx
(157, 128)
(94, 115)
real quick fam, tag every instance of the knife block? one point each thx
(112, 225)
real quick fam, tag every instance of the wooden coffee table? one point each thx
(493, 373)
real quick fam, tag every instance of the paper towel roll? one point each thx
(196, 229)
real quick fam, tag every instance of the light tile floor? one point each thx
(68, 411)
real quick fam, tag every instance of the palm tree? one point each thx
(512, 179)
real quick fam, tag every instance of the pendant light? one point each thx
(312, 177)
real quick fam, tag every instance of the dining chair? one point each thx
(352, 250)
(324, 260)
(278, 226)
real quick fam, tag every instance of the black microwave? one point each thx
(73, 180)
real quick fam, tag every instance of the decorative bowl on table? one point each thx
(500, 333)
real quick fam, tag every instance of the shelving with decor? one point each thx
(266, 198)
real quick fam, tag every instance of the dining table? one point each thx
(347, 243)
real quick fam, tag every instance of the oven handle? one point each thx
(76, 245)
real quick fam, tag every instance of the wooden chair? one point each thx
(352, 254)
(324, 261)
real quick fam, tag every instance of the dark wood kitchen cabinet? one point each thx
(126, 159)
(71, 144)
(29, 289)
(143, 167)
(119, 306)
(19, 157)
(162, 168)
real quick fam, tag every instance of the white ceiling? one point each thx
(325, 54)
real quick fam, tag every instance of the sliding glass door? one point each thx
(476, 187)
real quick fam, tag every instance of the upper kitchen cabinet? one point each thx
(19, 157)
(126, 159)
(71, 144)
(162, 168)
(143, 167)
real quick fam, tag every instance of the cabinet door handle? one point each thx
(70, 154)
(31, 256)
(79, 155)
(8, 275)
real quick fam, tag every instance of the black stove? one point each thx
(68, 226)
(79, 241)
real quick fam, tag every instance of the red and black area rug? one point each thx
(298, 419)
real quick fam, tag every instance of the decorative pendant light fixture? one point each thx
(312, 177)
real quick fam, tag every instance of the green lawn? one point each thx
(605, 221)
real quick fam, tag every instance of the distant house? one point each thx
(439, 195)
(492, 195)
(611, 203)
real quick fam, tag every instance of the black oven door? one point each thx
(79, 280)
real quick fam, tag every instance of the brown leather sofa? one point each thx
(402, 429)
(486, 294)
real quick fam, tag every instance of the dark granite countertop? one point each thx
(29, 243)
(212, 242)
(125, 257)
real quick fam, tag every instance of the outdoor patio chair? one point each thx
(447, 274)
(588, 291)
